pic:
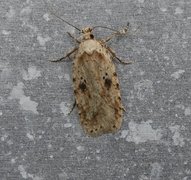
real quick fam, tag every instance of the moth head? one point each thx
(87, 33)
(86, 30)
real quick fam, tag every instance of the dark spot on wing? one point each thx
(117, 86)
(82, 86)
(108, 83)
(100, 56)
(115, 74)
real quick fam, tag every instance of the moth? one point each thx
(95, 82)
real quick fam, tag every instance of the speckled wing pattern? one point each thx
(96, 89)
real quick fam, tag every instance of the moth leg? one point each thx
(123, 109)
(114, 55)
(123, 62)
(73, 37)
(74, 105)
(67, 55)
(109, 37)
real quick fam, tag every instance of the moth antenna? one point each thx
(109, 28)
(66, 21)
(105, 28)
(61, 18)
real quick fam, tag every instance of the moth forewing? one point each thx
(96, 88)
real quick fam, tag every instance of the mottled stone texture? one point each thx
(39, 141)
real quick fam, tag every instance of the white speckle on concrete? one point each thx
(26, 175)
(163, 9)
(144, 89)
(166, 57)
(11, 13)
(165, 36)
(9, 142)
(49, 146)
(187, 111)
(177, 74)
(178, 10)
(188, 171)
(67, 77)
(32, 27)
(46, 17)
(30, 136)
(13, 161)
(155, 171)
(124, 134)
(185, 178)
(4, 137)
(1, 113)
(143, 132)
(67, 125)
(48, 120)
(98, 151)
(162, 5)
(178, 140)
(26, 10)
(5, 72)
(37, 178)
(72, 31)
(64, 108)
(25, 102)
(143, 177)
(108, 11)
(141, 73)
(180, 106)
(43, 40)
(87, 157)
(63, 176)
(22, 171)
(98, 158)
(5, 32)
(32, 73)
(141, 1)
(80, 148)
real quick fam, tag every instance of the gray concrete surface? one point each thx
(38, 141)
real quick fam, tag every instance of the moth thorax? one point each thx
(87, 36)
